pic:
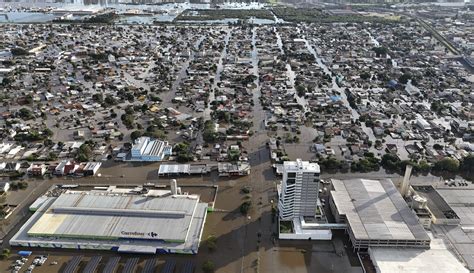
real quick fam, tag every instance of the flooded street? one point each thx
(258, 112)
(217, 77)
(182, 73)
(236, 95)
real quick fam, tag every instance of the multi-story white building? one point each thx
(299, 190)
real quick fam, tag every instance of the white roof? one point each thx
(111, 215)
(403, 260)
(302, 166)
(375, 210)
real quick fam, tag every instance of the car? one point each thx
(39, 260)
(42, 260)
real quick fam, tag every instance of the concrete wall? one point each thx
(320, 235)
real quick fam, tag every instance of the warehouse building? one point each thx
(123, 220)
(452, 213)
(438, 258)
(148, 149)
(376, 214)
(183, 169)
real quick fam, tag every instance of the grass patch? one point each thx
(286, 227)
(319, 16)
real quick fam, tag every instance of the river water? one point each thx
(41, 11)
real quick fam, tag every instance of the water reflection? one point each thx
(40, 11)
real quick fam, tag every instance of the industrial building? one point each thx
(410, 260)
(376, 214)
(117, 219)
(147, 149)
(183, 169)
(451, 212)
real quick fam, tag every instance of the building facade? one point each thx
(147, 149)
(299, 189)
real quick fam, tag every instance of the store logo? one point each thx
(132, 233)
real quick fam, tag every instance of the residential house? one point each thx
(36, 170)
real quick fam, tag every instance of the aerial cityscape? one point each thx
(207, 136)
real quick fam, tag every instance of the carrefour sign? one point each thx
(139, 234)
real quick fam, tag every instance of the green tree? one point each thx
(136, 134)
(234, 155)
(98, 97)
(364, 75)
(211, 243)
(22, 185)
(209, 135)
(184, 157)
(128, 120)
(5, 254)
(467, 164)
(404, 78)
(424, 166)
(208, 267)
(18, 51)
(47, 132)
(181, 147)
(366, 164)
(84, 153)
(52, 156)
(300, 90)
(447, 164)
(379, 51)
(390, 162)
(25, 114)
(331, 163)
(155, 98)
(110, 100)
(437, 146)
(245, 207)
(156, 133)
